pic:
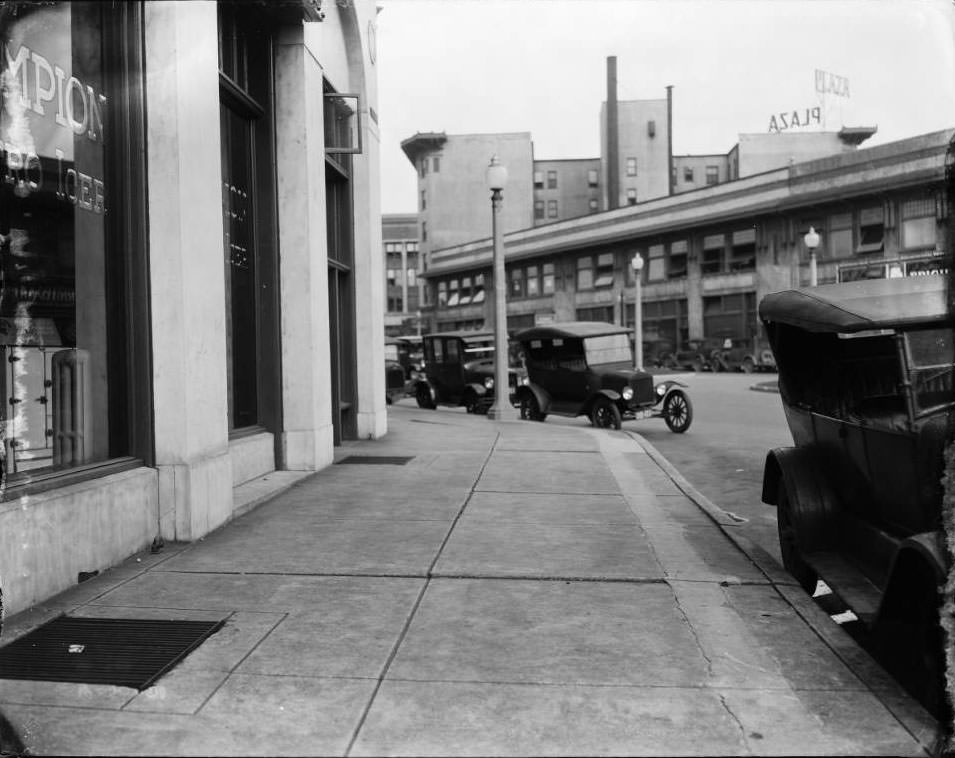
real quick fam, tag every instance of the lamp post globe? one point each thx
(496, 177)
(811, 239)
(637, 264)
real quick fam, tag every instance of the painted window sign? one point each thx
(48, 107)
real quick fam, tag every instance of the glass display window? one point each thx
(67, 246)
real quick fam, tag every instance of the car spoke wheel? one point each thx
(471, 402)
(530, 409)
(423, 396)
(748, 366)
(789, 547)
(677, 411)
(605, 415)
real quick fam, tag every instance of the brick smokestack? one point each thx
(613, 144)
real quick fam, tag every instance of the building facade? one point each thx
(403, 284)
(453, 200)
(713, 253)
(183, 309)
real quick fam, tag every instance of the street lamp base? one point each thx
(501, 413)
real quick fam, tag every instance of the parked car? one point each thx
(866, 380)
(742, 355)
(459, 370)
(396, 378)
(695, 356)
(585, 368)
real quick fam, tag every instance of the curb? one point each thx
(910, 714)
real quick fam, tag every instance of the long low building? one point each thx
(711, 254)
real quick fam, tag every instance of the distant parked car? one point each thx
(585, 368)
(695, 356)
(867, 382)
(459, 370)
(742, 355)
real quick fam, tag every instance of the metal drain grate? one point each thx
(386, 460)
(124, 652)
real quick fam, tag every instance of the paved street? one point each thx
(515, 589)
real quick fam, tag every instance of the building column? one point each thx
(187, 278)
(371, 417)
(307, 434)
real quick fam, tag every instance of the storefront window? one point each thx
(67, 213)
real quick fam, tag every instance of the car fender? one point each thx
(541, 395)
(611, 395)
(813, 503)
(479, 389)
(921, 558)
(669, 386)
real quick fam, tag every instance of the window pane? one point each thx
(919, 232)
(54, 237)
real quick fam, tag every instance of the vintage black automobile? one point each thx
(695, 356)
(459, 370)
(866, 380)
(396, 378)
(742, 355)
(585, 368)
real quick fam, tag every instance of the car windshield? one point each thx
(932, 355)
(608, 348)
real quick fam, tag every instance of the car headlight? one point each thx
(525, 380)
(488, 382)
(660, 389)
(627, 393)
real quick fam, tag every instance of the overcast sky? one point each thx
(539, 66)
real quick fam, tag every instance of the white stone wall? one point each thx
(47, 539)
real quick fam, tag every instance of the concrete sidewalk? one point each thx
(515, 589)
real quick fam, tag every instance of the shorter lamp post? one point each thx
(812, 242)
(637, 264)
(496, 181)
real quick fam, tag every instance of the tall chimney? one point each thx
(613, 147)
(670, 137)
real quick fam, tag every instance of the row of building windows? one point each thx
(465, 291)
(712, 174)
(434, 162)
(593, 179)
(843, 235)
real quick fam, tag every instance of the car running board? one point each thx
(848, 582)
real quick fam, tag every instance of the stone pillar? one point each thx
(307, 437)
(186, 268)
(371, 417)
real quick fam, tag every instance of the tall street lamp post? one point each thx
(637, 264)
(812, 242)
(500, 409)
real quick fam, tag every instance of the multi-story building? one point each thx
(712, 253)
(453, 199)
(182, 308)
(566, 188)
(403, 285)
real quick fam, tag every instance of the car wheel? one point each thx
(423, 396)
(470, 402)
(678, 411)
(792, 556)
(530, 409)
(605, 414)
(748, 366)
(913, 647)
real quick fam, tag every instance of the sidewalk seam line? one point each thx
(417, 603)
